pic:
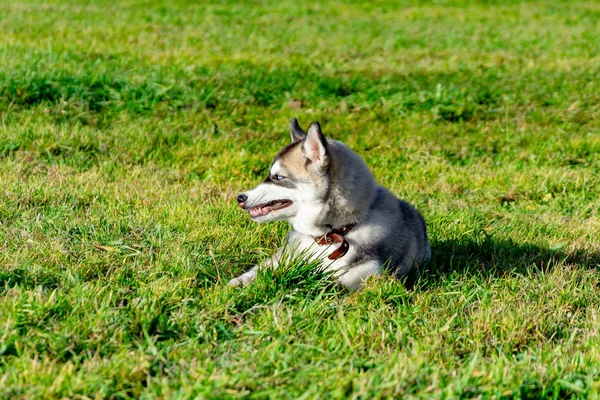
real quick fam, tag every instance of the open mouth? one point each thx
(266, 208)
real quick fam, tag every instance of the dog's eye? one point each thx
(277, 177)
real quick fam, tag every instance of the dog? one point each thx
(338, 213)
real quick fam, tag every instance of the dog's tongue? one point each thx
(255, 212)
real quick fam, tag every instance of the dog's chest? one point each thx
(307, 245)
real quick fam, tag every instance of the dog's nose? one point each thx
(241, 199)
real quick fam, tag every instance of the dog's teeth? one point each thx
(267, 208)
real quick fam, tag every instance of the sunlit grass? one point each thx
(127, 129)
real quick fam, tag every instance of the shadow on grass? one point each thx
(488, 257)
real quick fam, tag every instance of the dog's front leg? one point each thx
(247, 277)
(352, 277)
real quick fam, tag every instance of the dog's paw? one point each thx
(242, 280)
(235, 282)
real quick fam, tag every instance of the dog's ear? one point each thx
(315, 146)
(296, 132)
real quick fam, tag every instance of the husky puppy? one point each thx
(338, 213)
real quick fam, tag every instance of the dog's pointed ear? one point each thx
(315, 145)
(296, 132)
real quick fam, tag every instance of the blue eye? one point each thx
(277, 177)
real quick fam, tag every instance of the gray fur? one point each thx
(296, 132)
(333, 187)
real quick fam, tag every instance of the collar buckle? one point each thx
(336, 236)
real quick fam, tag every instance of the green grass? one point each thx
(127, 128)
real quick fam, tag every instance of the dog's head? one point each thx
(297, 182)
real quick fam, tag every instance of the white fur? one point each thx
(275, 168)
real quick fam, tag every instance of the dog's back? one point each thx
(404, 241)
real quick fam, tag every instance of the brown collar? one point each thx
(336, 236)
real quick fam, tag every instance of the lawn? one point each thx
(128, 128)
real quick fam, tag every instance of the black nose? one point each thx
(242, 198)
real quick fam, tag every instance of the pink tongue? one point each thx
(259, 211)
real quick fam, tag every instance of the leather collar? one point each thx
(336, 236)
